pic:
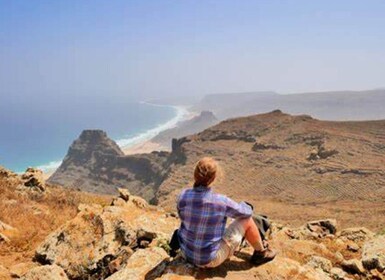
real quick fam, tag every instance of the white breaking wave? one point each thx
(50, 167)
(181, 114)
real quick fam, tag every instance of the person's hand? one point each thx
(251, 205)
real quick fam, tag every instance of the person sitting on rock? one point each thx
(203, 237)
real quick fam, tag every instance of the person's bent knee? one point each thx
(246, 222)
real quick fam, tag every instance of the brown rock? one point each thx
(320, 263)
(353, 247)
(356, 234)
(323, 227)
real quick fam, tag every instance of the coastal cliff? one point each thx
(95, 163)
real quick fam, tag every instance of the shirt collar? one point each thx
(202, 189)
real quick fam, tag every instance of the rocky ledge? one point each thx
(128, 240)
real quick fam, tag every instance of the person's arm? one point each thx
(178, 202)
(237, 210)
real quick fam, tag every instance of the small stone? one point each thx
(4, 238)
(337, 273)
(124, 194)
(339, 257)
(339, 242)
(353, 247)
(321, 263)
(4, 226)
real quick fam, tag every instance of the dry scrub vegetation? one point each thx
(35, 215)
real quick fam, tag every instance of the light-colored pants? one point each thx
(231, 240)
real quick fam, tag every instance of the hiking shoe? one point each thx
(261, 257)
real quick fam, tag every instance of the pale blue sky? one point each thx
(68, 48)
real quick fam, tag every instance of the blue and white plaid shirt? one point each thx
(203, 215)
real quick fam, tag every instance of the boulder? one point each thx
(353, 266)
(143, 264)
(46, 272)
(125, 195)
(373, 253)
(356, 234)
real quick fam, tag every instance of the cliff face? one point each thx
(95, 163)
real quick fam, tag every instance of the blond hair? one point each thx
(205, 172)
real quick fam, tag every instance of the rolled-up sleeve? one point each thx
(237, 210)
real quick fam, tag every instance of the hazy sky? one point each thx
(143, 48)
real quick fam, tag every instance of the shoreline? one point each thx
(142, 142)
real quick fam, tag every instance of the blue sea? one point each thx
(39, 133)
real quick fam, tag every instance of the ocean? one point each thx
(39, 135)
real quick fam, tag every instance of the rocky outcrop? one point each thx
(98, 241)
(321, 153)
(262, 146)
(33, 179)
(95, 163)
(128, 240)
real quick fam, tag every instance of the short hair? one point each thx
(205, 172)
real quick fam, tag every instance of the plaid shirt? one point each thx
(203, 215)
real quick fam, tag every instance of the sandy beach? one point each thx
(144, 148)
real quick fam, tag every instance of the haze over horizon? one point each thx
(66, 50)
